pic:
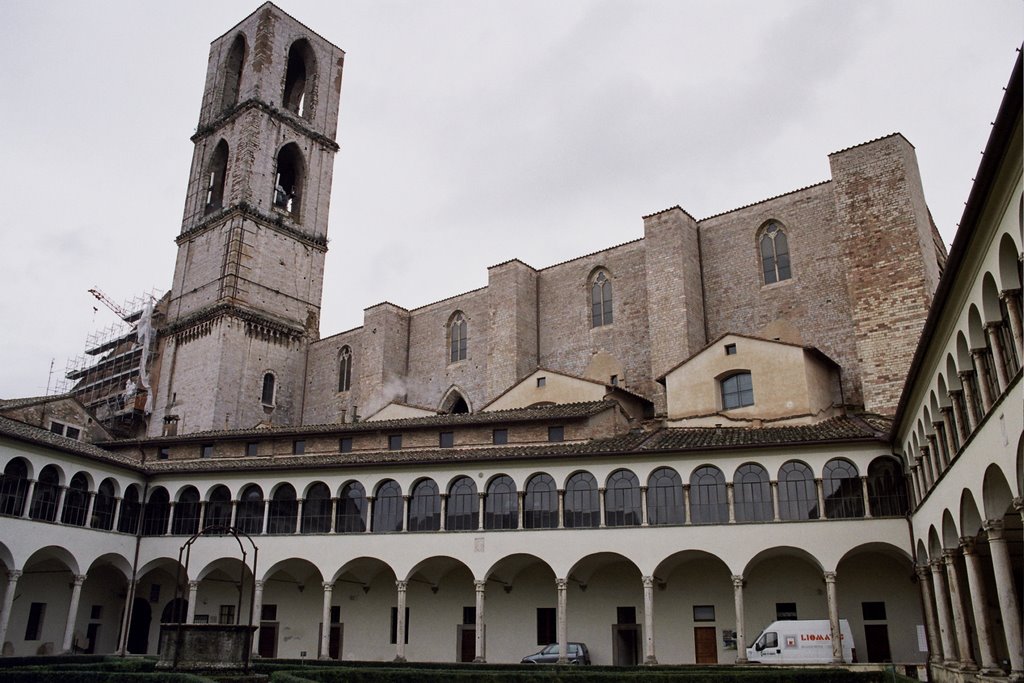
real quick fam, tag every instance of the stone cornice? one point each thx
(289, 120)
(222, 310)
(245, 209)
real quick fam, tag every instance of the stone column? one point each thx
(126, 615)
(480, 510)
(88, 514)
(819, 486)
(563, 632)
(406, 499)
(1012, 299)
(266, 516)
(117, 514)
(298, 516)
(688, 517)
(643, 506)
(170, 517)
(522, 500)
(942, 607)
(970, 404)
(941, 444)
(28, 502)
(190, 611)
(730, 500)
(334, 515)
(987, 399)
(257, 615)
(5, 609)
(649, 658)
(741, 638)
(561, 508)
(915, 483)
(963, 428)
(963, 639)
(926, 468)
(601, 522)
(369, 514)
(931, 625)
(443, 524)
(866, 495)
(1009, 607)
(833, 617)
(59, 514)
(933, 448)
(998, 354)
(234, 514)
(949, 428)
(400, 622)
(69, 628)
(776, 517)
(481, 640)
(325, 629)
(979, 605)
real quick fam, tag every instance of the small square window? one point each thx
(96, 612)
(298, 447)
(499, 436)
(56, 428)
(873, 611)
(268, 613)
(164, 453)
(730, 349)
(394, 442)
(468, 615)
(447, 439)
(206, 450)
(345, 444)
(703, 612)
(556, 433)
(541, 381)
(785, 611)
(72, 433)
(625, 615)
(252, 449)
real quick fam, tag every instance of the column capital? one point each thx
(406, 497)
(443, 496)
(401, 586)
(648, 581)
(993, 529)
(561, 584)
(949, 555)
(14, 574)
(968, 545)
(327, 586)
(1018, 504)
(936, 565)
(738, 581)
(370, 499)
(79, 579)
(964, 374)
(729, 484)
(643, 489)
(945, 410)
(601, 490)
(481, 494)
(480, 585)
(993, 325)
(830, 577)
(259, 584)
(561, 492)
(922, 571)
(193, 585)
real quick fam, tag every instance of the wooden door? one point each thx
(705, 644)
(334, 646)
(467, 643)
(876, 637)
(268, 639)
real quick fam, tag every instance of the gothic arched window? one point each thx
(299, 79)
(458, 339)
(601, 300)
(216, 173)
(345, 369)
(774, 249)
(232, 84)
(267, 395)
(289, 179)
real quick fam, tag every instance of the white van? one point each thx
(800, 642)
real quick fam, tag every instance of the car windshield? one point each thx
(550, 650)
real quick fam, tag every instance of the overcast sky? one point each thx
(470, 133)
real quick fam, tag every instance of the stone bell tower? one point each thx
(247, 283)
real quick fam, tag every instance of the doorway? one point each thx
(625, 644)
(138, 630)
(876, 637)
(467, 643)
(267, 639)
(705, 644)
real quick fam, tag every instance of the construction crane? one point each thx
(105, 300)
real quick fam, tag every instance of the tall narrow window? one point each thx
(458, 339)
(753, 494)
(268, 389)
(216, 172)
(388, 507)
(798, 498)
(582, 506)
(345, 369)
(288, 182)
(233, 74)
(299, 79)
(622, 499)
(665, 497)
(463, 510)
(501, 509)
(540, 506)
(708, 504)
(844, 494)
(351, 515)
(737, 391)
(774, 254)
(425, 507)
(601, 300)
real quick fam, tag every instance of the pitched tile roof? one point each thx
(43, 437)
(835, 429)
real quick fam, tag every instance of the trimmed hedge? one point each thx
(85, 676)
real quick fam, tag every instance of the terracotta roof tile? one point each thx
(835, 429)
(43, 437)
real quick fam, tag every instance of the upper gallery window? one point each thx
(601, 300)
(345, 369)
(737, 391)
(267, 397)
(289, 180)
(215, 174)
(774, 253)
(457, 338)
(299, 79)
(232, 74)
